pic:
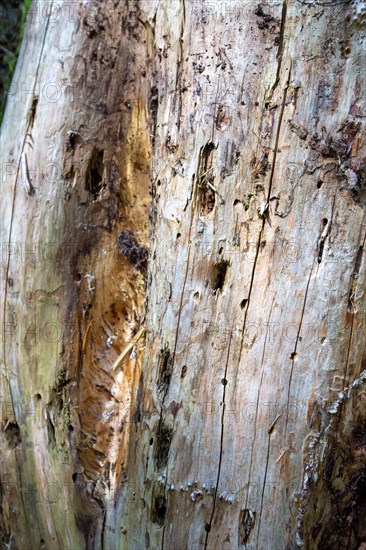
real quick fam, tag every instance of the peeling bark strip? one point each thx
(186, 373)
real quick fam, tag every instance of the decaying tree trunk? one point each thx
(225, 139)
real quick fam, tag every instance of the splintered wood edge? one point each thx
(128, 348)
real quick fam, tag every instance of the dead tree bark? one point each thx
(228, 139)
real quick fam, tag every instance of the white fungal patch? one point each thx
(161, 479)
(227, 497)
(196, 495)
(89, 279)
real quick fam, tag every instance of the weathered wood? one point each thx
(243, 426)
(250, 295)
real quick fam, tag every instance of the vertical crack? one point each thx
(354, 276)
(221, 441)
(278, 132)
(294, 354)
(280, 50)
(180, 63)
(257, 407)
(263, 489)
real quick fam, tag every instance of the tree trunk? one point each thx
(213, 396)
